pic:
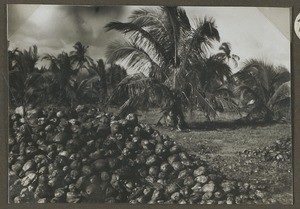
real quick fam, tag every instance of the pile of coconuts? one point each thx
(279, 151)
(81, 154)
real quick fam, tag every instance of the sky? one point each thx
(262, 33)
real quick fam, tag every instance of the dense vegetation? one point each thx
(175, 70)
(71, 78)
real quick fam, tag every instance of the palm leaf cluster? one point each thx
(137, 96)
(264, 87)
(226, 56)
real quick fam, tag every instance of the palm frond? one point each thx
(226, 48)
(283, 92)
(132, 54)
(183, 19)
(235, 59)
(200, 38)
(137, 29)
(147, 18)
(130, 106)
(205, 104)
(149, 91)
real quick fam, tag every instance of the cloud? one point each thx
(56, 28)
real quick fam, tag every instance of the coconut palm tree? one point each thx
(78, 56)
(226, 56)
(62, 78)
(153, 45)
(264, 87)
(162, 44)
(25, 79)
(114, 75)
(95, 86)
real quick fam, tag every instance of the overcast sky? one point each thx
(262, 33)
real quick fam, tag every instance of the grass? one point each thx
(220, 142)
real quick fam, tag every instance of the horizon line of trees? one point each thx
(71, 78)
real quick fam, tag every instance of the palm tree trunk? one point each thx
(175, 78)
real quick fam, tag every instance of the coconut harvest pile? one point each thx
(84, 155)
(280, 151)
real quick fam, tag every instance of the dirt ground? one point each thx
(222, 147)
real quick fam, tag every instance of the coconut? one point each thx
(147, 192)
(175, 149)
(195, 197)
(157, 194)
(201, 179)
(172, 188)
(28, 179)
(145, 143)
(228, 186)
(105, 176)
(165, 167)
(197, 188)
(176, 196)
(17, 167)
(199, 171)
(219, 195)
(131, 145)
(140, 159)
(185, 191)
(177, 166)
(81, 182)
(150, 179)
(110, 191)
(184, 173)
(210, 187)
(60, 114)
(87, 170)
(182, 201)
(160, 149)
(42, 191)
(61, 161)
(189, 181)
(152, 160)
(42, 200)
(61, 137)
(49, 128)
(207, 196)
(136, 192)
(72, 197)
(100, 164)
(29, 165)
(74, 174)
(168, 143)
(173, 158)
(153, 171)
(162, 175)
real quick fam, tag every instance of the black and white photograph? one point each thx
(149, 104)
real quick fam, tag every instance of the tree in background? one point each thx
(226, 56)
(265, 90)
(26, 81)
